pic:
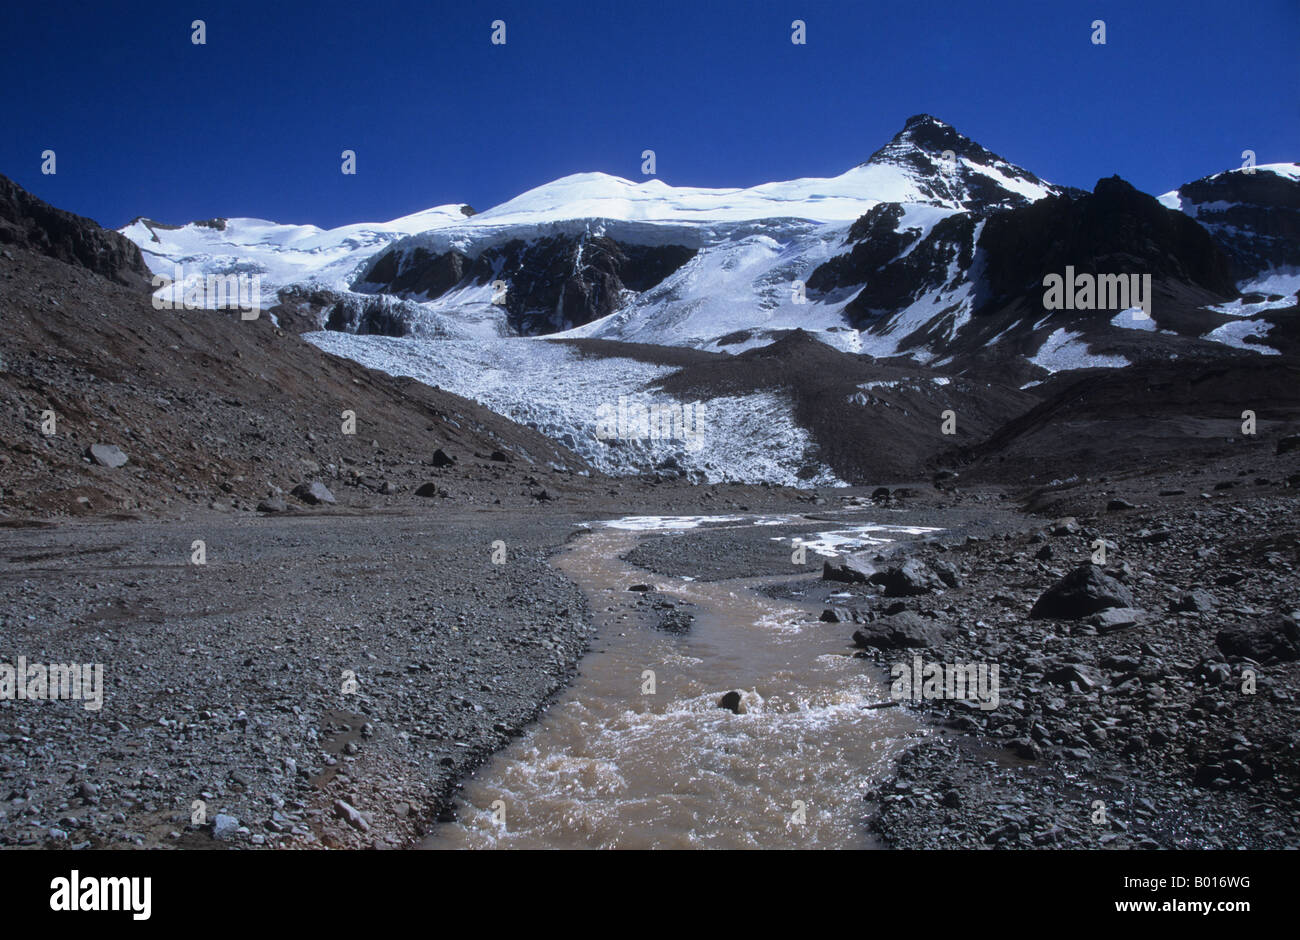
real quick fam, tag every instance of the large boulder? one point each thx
(313, 493)
(907, 579)
(1199, 602)
(1084, 591)
(1074, 675)
(1276, 640)
(851, 569)
(901, 631)
(1113, 619)
(910, 578)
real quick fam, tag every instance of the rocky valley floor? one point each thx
(228, 682)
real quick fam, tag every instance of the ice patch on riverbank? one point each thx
(839, 541)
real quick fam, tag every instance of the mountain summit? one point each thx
(948, 168)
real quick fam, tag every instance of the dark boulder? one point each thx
(732, 702)
(901, 631)
(1200, 602)
(1085, 590)
(851, 569)
(1274, 641)
(909, 579)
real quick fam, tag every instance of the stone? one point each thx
(1199, 602)
(1084, 591)
(851, 569)
(1115, 618)
(901, 631)
(224, 826)
(909, 579)
(1275, 641)
(106, 455)
(313, 493)
(351, 815)
(733, 702)
(1082, 677)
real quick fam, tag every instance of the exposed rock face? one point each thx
(1115, 230)
(34, 224)
(553, 283)
(379, 316)
(895, 267)
(421, 272)
(1254, 218)
(980, 272)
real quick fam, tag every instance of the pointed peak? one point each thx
(951, 169)
(923, 120)
(926, 133)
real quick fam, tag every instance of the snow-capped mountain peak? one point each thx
(947, 168)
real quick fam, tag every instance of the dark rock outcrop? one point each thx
(1114, 230)
(377, 316)
(553, 283)
(34, 224)
(1253, 217)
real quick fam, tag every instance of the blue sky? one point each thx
(143, 122)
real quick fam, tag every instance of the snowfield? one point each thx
(1064, 350)
(280, 254)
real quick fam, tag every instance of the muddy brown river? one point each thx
(637, 754)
